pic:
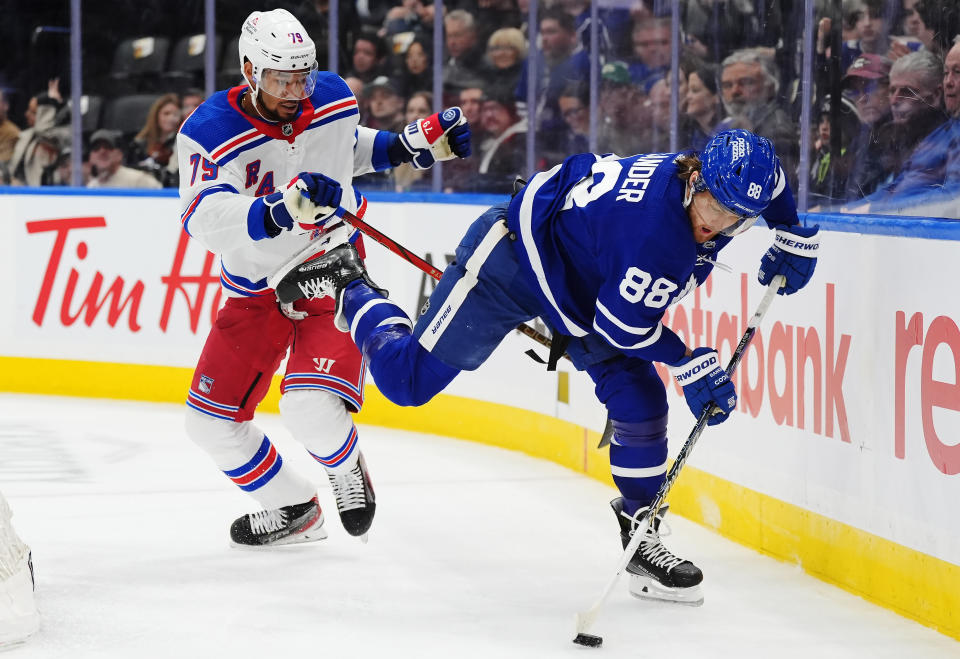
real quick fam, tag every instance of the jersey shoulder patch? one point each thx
(214, 122)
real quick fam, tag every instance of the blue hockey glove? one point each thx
(793, 255)
(704, 382)
(441, 136)
(276, 216)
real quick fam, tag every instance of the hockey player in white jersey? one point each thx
(262, 167)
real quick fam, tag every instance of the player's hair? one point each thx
(687, 164)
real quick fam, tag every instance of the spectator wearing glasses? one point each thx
(916, 105)
(574, 104)
(867, 84)
(932, 171)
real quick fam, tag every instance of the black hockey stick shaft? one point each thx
(420, 263)
(585, 619)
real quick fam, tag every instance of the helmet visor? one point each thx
(743, 222)
(296, 85)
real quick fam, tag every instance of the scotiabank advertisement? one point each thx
(849, 395)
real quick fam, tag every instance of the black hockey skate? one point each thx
(301, 522)
(655, 572)
(324, 276)
(356, 501)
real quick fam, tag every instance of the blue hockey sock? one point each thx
(638, 460)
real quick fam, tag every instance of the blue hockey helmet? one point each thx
(740, 171)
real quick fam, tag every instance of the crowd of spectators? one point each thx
(892, 65)
(40, 152)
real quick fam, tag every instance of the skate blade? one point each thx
(310, 535)
(646, 588)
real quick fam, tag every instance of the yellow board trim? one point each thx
(913, 584)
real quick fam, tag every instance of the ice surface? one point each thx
(475, 552)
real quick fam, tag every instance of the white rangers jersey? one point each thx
(228, 159)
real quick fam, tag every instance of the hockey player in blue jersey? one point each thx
(599, 247)
(259, 163)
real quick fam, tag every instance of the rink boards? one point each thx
(844, 455)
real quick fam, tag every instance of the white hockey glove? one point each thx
(441, 136)
(311, 199)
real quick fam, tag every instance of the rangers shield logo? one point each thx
(206, 384)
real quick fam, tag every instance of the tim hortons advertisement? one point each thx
(849, 395)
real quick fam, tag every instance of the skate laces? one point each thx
(316, 288)
(268, 521)
(349, 489)
(650, 547)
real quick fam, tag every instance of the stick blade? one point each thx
(588, 640)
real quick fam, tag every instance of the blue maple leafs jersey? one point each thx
(607, 246)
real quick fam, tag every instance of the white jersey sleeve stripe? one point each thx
(781, 183)
(525, 215)
(638, 472)
(653, 338)
(466, 283)
(640, 331)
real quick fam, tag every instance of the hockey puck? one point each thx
(588, 640)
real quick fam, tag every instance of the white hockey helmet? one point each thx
(275, 41)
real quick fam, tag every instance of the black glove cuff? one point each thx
(269, 226)
(397, 152)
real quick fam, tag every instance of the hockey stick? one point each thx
(420, 263)
(585, 619)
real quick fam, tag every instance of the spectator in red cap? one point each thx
(867, 84)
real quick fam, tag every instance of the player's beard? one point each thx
(275, 115)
